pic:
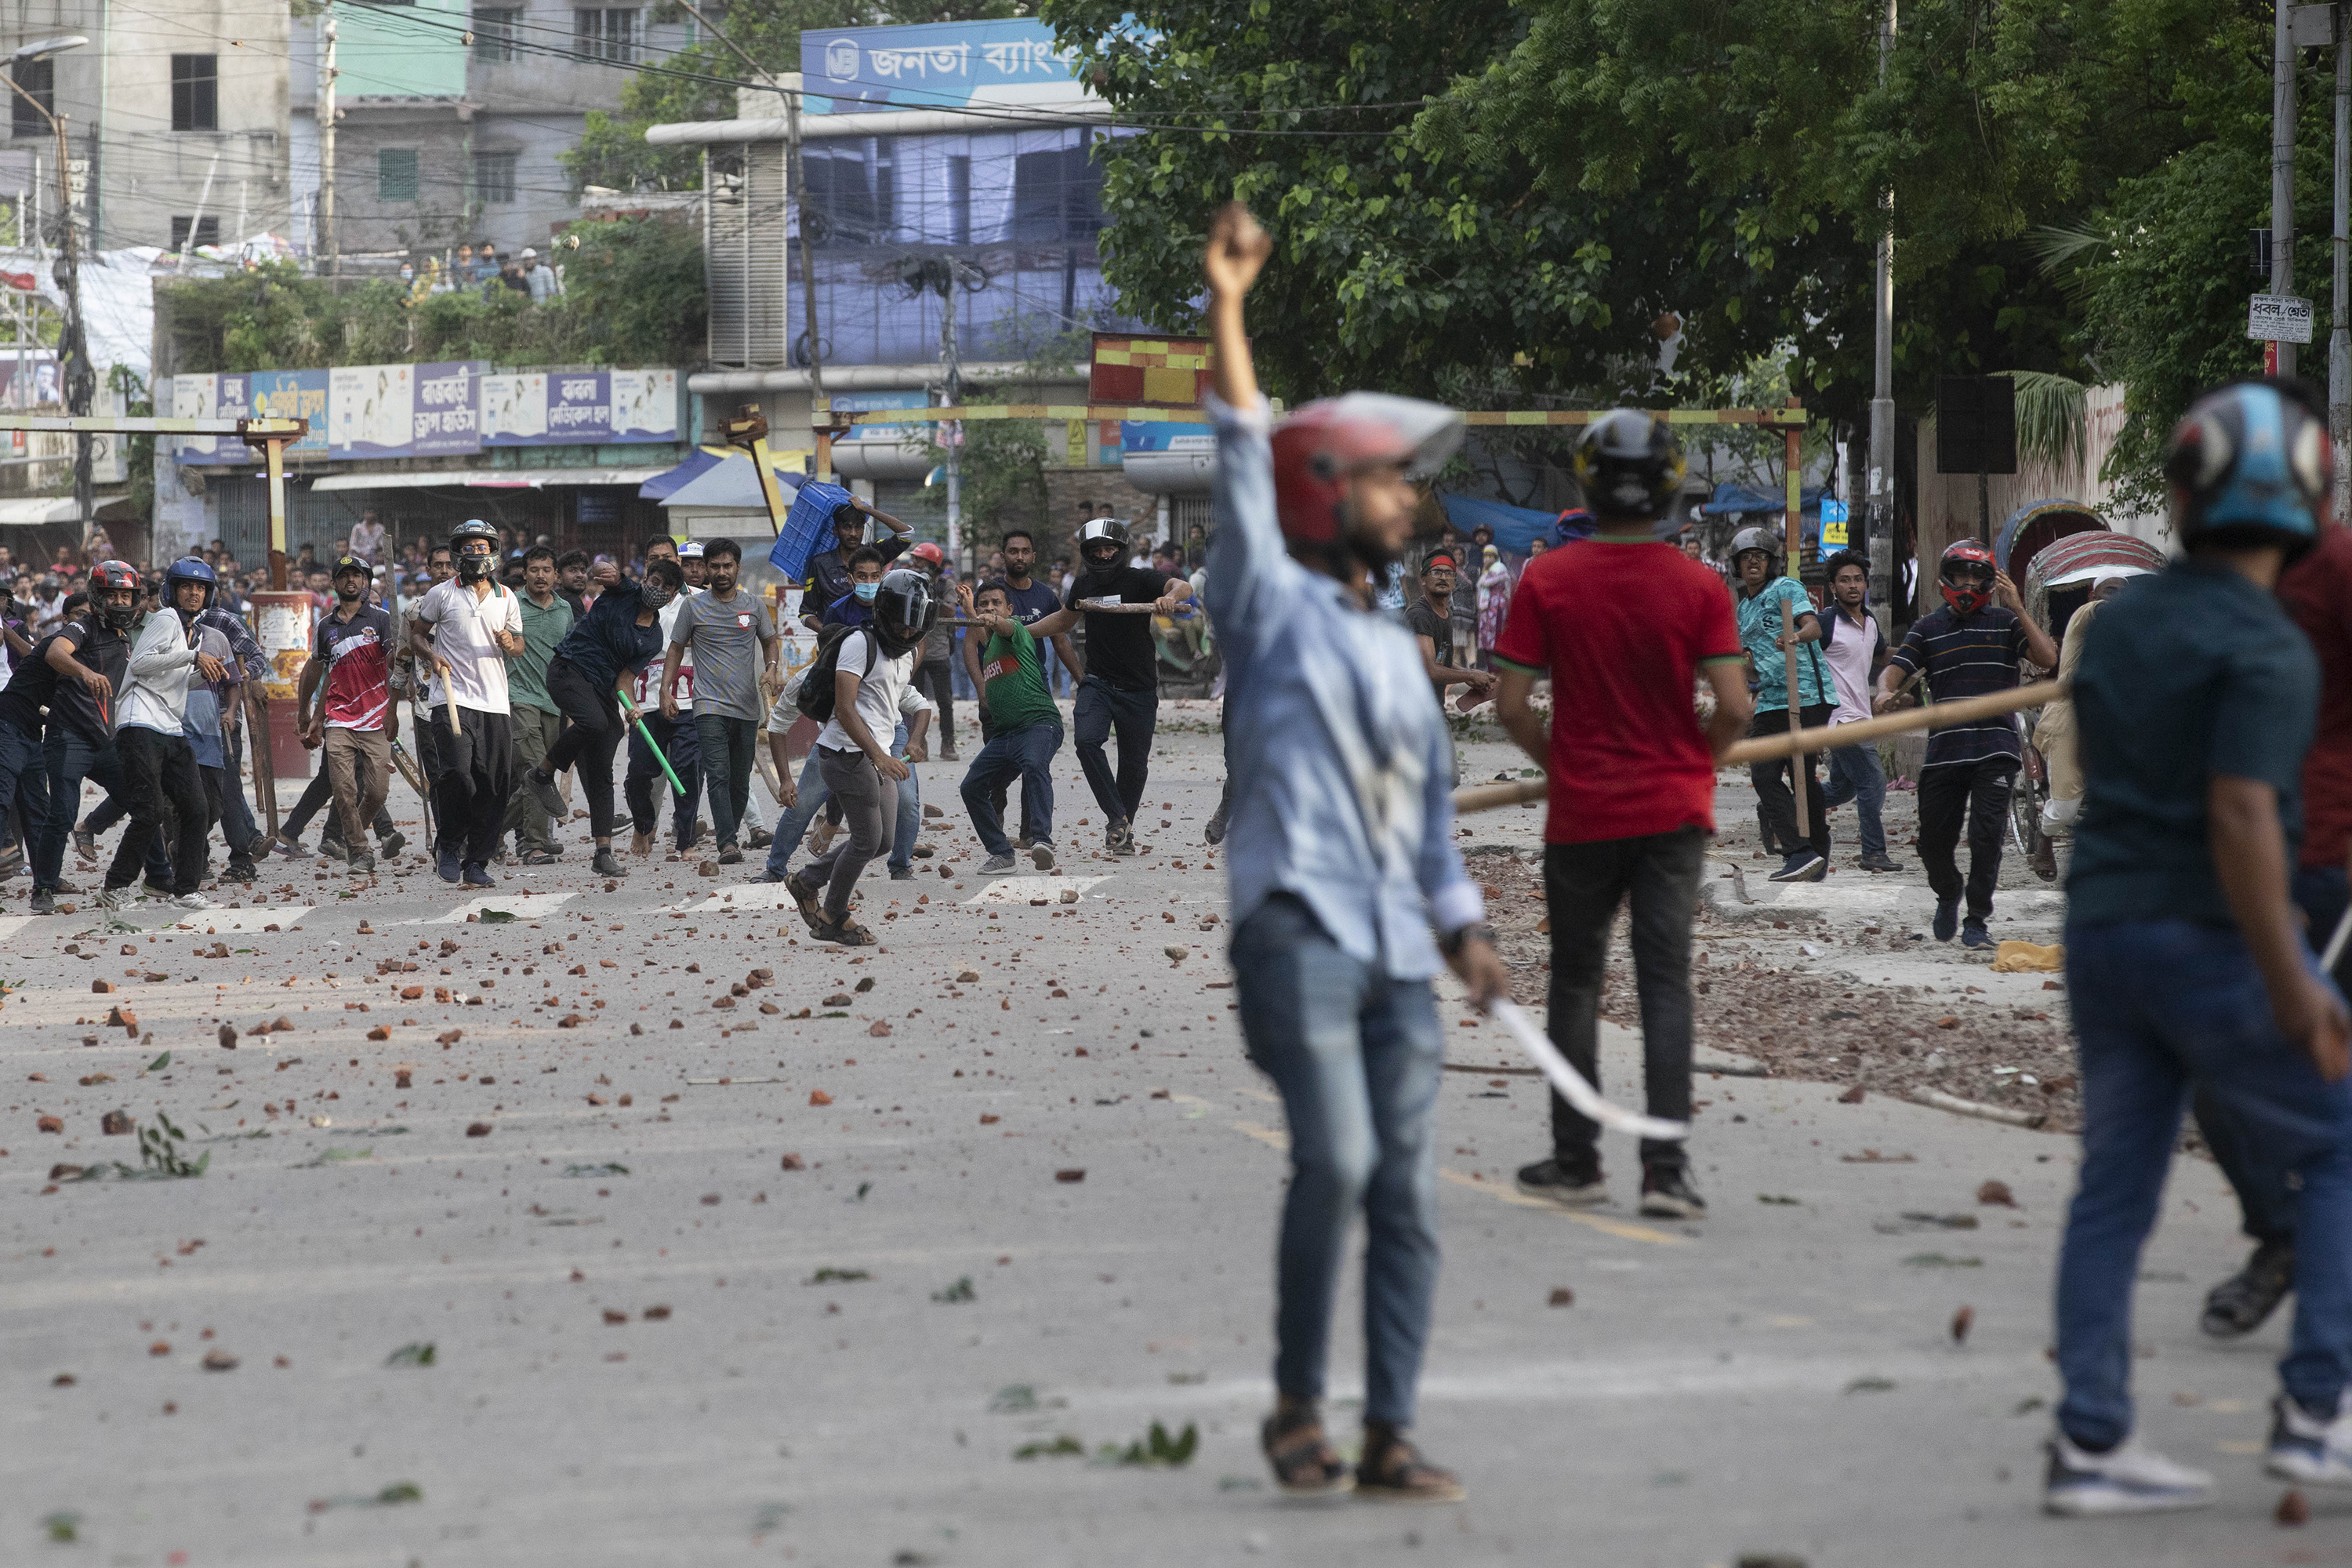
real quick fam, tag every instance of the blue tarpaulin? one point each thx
(1515, 527)
(1731, 498)
(662, 486)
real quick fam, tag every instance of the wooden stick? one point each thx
(1768, 748)
(1106, 607)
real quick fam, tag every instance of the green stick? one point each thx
(651, 745)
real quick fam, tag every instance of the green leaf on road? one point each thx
(1871, 1386)
(496, 917)
(419, 1354)
(1938, 1260)
(1059, 1447)
(1014, 1399)
(958, 1292)
(829, 1275)
(160, 1063)
(607, 1169)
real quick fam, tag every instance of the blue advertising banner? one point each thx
(935, 65)
(293, 395)
(446, 417)
(579, 405)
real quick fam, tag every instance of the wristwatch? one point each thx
(1450, 943)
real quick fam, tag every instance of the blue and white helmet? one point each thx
(2254, 463)
(190, 569)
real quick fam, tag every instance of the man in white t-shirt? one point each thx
(465, 630)
(1855, 649)
(645, 786)
(873, 684)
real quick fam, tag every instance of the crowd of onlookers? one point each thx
(485, 270)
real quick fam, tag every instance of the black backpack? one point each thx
(815, 696)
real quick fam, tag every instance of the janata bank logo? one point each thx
(841, 59)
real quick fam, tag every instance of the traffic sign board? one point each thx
(2279, 318)
(1833, 529)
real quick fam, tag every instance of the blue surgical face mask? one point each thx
(866, 591)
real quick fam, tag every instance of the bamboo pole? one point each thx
(1770, 748)
(1793, 525)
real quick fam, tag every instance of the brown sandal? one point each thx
(1393, 1470)
(1305, 1464)
(846, 931)
(806, 896)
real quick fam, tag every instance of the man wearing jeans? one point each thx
(2185, 963)
(1025, 729)
(735, 646)
(351, 656)
(1776, 621)
(1623, 624)
(1342, 859)
(547, 619)
(1853, 643)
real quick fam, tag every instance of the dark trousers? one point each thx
(1776, 809)
(71, 758)
(2265, 1201)
(725, 745)
(220, 790)
(935, 679)
(160, 775)
(1027, 754)
(237, 825)
(477, 777)
(647, 786)
(1975, 794)
(589, 742)
(1583, 886)
(1099, 709)
(23, 782)
(428, 764)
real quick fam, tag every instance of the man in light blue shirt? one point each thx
(1342, 861)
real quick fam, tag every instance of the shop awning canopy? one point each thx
(31, 511)
(729, 485)
(483, 479)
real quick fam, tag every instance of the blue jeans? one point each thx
(1356, 1056)
(725, 744)
(71, 759)
(1028, 754)
(793, 825)
(1854, 776)
(24, 782)
(2160, 1005)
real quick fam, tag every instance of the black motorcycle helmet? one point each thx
(1094, 532)
(1629, 465)
(906, 608)
(474, 567)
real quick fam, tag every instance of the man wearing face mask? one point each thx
(468, 628)
(593, 665)
(666, 703)
(829, 573)
(1346, 889)
(1118, 687)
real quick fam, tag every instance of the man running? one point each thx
(1119, 683)
(1776, 617)
(351, 670)
(667, 708)
(1854, 645)
(734, 643)
(2186, 965)
(1625, 626)
(1969, 647)
(77, 673)
(873, 686)
(1025, 729)
(468, 627)
(547, 620)
(592, 667)
(159, 768)
(1341, 855)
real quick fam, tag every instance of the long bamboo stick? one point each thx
(1769, 748)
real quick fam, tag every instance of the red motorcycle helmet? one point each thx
(1317, 447)
(1966, 574)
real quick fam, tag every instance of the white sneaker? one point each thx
(114, 898)
(2127, 1479)
(2307, 1449)
(193, 901)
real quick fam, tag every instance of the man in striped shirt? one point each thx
(1969, 647)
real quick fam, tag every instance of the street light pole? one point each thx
(1879, 524)
(2283, 64)
(81, 377)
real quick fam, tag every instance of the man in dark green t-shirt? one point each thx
(1024, 727)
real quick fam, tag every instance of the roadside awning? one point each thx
(485, 478)
(729, 485)
(31, 511)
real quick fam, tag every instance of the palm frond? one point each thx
(2051, 417)
(2054, 245)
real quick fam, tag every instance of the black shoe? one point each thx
(543, 790)
(362, 864)
(605, 865)
(2239, 1304)
(902, 873)
(333, 848)
(1569, 1189)
(1666, 1193)
(448, 867)
(479, 875)
(1877, 862)
(240, 870)
(160, 889)
(45, 901)
(1947, 919)
(392, 844)
(541, 857)
(85, 845)
(1973, 934)
(1216, 831)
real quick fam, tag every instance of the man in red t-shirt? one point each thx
(1624, 626)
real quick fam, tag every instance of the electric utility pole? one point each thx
(324, 240)
(2282, 65)
(1880, 522)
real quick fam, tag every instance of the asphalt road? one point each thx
(633, 1335)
